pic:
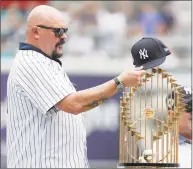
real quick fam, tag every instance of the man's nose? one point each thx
(64, 36)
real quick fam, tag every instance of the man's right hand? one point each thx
(131, 78)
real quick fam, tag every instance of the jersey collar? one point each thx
(183, 140)
(26, 46)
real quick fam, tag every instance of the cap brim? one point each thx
(154, 63)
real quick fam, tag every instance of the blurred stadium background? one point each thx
(101, 34)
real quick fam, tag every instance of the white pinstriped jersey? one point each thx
(185, 152)
(39, 135)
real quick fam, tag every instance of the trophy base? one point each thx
(148, 165)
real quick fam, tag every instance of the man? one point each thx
(45, 125)
(185, 128)
(185, 132)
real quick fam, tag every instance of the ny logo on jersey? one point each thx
(170, 103)
(143, 54)
(187, 90)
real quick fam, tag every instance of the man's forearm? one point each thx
(91, 98)
(87, 99)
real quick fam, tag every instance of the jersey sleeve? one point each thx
(43, 84)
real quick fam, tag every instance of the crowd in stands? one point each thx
(100, 26)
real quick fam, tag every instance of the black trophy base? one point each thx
(148, 165)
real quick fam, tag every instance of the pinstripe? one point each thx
(84, 142)
(41, 147)
(11, 133)
(30, 151)
(33, 134)
(19, 133)
(85, 146)
(26, 129)
(45, 143)
(38, 132)
(74, 141)
(77, 151)
(22, 145)
(54, 144)
(13, 97)
(50, 140)
(38, 142)
(86, 159)
(70, 140)
(10, 129)
(66, 146)
(58, 139)
(25, 132)
(62, 137)
(20, 123)
(76, 145)
(81, 149)
(66, 120)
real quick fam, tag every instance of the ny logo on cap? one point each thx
(143, 54)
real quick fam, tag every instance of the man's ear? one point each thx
(35, 32)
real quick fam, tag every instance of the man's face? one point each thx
(185, 124)
(190, 121)
(52, 36)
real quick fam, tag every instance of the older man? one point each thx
(45, 124)
(185, 135)
(185, 129)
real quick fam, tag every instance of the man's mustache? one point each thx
(61, 42)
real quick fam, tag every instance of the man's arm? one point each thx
(87, 99)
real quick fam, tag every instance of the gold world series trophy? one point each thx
(148, 133)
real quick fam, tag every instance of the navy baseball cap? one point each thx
(149, 52)
(187, 98)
